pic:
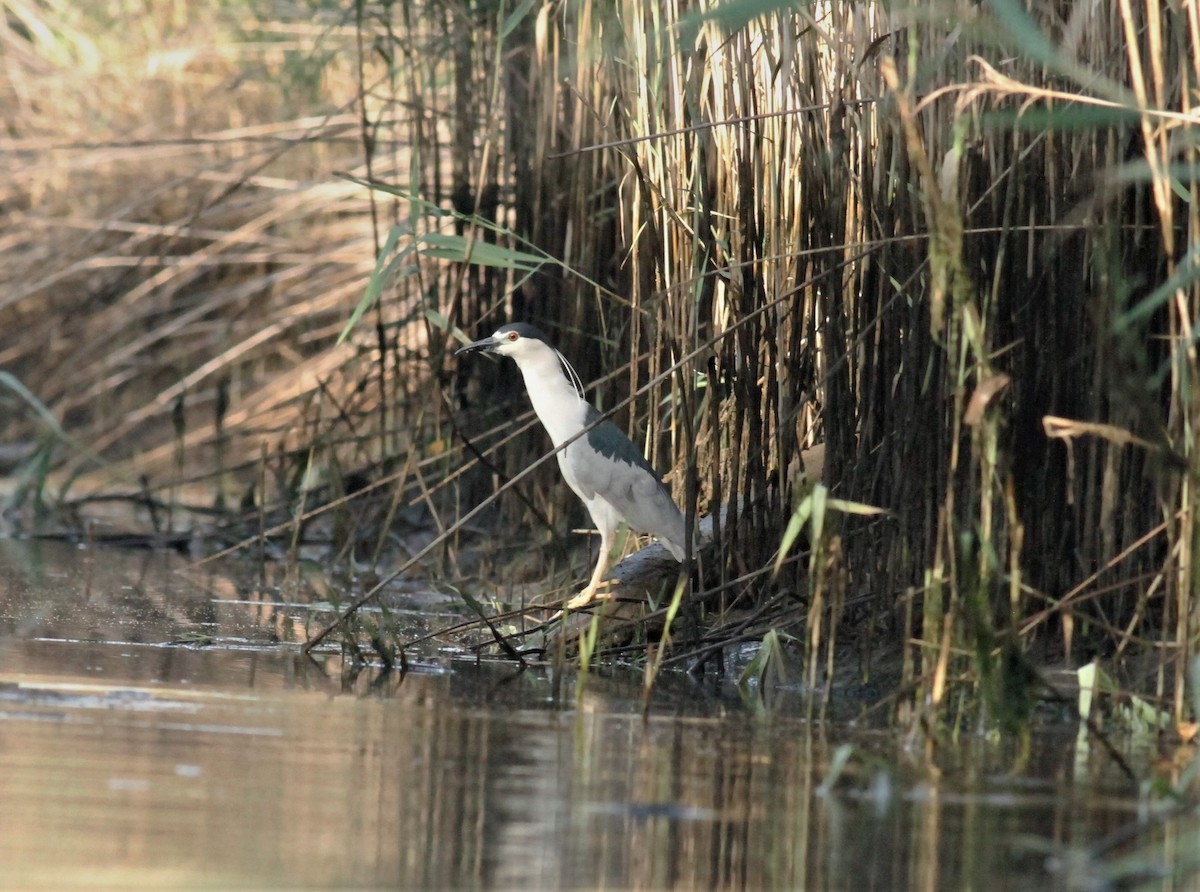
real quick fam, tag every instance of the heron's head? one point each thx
(529, 347)
(517, 340)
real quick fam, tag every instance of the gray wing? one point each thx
(607, 464)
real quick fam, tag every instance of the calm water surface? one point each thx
(153, 735)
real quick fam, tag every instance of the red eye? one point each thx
(512, 335)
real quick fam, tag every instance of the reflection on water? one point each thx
(129, 763)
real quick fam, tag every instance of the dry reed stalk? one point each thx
(709, 214)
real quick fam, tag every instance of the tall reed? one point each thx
(953, 244)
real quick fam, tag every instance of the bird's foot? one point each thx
(601, 592)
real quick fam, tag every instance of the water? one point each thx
(128, 761)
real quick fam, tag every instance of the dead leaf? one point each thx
(983, 394)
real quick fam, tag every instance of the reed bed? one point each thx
(952, 245)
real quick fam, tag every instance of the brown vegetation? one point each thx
(953, 244)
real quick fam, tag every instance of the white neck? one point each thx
(554, 399)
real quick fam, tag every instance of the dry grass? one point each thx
(173, 231)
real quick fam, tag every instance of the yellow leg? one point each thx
(588, 594)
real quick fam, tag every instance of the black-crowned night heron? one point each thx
(604, 468)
